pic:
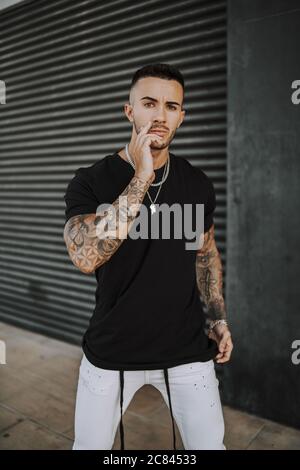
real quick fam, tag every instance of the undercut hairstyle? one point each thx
(164, 71)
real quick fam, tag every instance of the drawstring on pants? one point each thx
(170, 405)
(121, 407)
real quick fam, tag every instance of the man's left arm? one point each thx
(210, 282)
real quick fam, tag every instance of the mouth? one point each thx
(159, 132)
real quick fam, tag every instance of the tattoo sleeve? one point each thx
(86, 249)
(209, 277)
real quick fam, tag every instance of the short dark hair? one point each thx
(165, 71)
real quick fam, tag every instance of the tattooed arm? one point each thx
(86, 248)
(209, 276)
(209, 280)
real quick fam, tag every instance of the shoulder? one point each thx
(89, 175)
(193, 172)
(87, 181)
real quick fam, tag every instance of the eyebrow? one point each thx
(156, 101)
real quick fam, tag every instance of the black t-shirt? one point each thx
(148, 314)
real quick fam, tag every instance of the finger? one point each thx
(211, 334)
(228, 346)
(154, 136)
(144, 129)
(223, 354)
(222, 345)
(148, 138)
(225, 357)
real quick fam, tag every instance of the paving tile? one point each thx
(8, 418)
(14, 381)
(67, 349)
(162, 416)
(28, 435)
(20, 352)
(47, 408)
(275, 436)
(70, 432)
(32, 346)
(58, 368)
(240, 428)
(147, 400)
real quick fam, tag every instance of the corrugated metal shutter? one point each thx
(67, 67)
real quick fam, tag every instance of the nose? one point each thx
(160, 114)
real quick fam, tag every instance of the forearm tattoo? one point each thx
(209, 277)
(86, 249)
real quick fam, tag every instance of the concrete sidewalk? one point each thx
(37, 400)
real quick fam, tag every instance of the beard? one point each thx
(157, 144)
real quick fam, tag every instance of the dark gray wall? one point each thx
(263, 208)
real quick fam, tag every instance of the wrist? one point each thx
(217, 322)
(145, 177)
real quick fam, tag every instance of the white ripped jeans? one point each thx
(196, 404)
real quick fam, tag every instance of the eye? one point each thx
(148, 103)
(172, 107)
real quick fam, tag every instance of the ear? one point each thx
(128, 110)
(182, 118)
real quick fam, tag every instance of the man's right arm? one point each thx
(86, 249)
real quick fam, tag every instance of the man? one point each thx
(148, 322)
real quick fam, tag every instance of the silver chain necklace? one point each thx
(160, 183)
(165, 175)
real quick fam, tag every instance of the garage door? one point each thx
(67, 67)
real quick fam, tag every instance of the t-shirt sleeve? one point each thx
(209, 206)
(79, 197)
